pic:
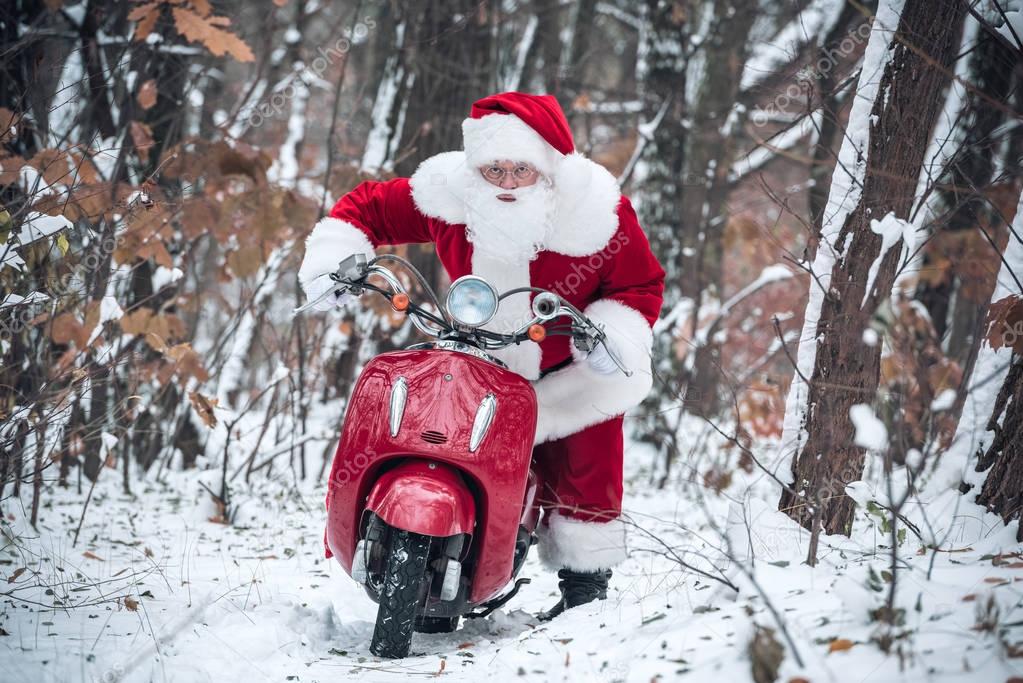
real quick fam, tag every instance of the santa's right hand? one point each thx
(319, 286)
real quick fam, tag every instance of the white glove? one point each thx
(600, 360)
(319, 287)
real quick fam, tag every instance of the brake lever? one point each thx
(349, 273)
(614, 357)
(587, 339)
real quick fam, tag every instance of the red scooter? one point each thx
(433, 501)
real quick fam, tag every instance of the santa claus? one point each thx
(519, 207)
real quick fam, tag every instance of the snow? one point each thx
(809, 26)
(769, 275)
(163, 276)
(768, 150)
(17, 300)
(1012, 29)
(382, 139)
(39, 225)
(109, 310)
(892, 229)
(870, 337)
(943, 401)
(209, 601)
(870, 431)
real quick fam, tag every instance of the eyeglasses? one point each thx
(496, 174)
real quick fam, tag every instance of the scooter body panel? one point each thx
(444, 391)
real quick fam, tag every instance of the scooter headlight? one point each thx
(471, 301)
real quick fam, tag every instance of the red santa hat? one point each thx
(516, 126)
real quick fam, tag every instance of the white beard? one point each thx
(505, 237)
(513, 232)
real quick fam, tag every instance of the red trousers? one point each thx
(582, 498)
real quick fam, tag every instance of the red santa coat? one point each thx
(598, 258)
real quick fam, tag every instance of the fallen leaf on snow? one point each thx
(840, 645)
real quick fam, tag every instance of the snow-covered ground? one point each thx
(154, 591)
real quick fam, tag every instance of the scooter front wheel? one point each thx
(401, 593)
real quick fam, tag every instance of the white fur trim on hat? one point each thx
(567, 543)
(331, 241)
(438, 186)
(577, 397)
(586, 198)
(497, 137)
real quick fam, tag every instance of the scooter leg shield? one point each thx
(424, 497)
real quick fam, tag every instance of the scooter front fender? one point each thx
(424, 497)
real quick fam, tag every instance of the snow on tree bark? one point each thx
(992, 420)
(899, 97)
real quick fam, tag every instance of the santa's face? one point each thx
(509, 206)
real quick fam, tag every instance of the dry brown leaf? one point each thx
(17, 572)
(52, 164)
(146, 17)
(131, 603)
(147, 94)
(840, 645)
(204, 406)
(142, 138)
(245, 261)
(10, 167)
(67, 329)
(205, 30)
(1005, 323)
(187, 364)
(89, 555)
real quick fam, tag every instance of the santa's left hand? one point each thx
(600, 360)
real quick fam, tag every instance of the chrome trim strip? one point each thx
(481, 423)
(399, 394)
(460, 347)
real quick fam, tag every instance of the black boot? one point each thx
(578, 588)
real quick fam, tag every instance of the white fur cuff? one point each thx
(572, 399)
(331, 241)
(567, 543)
(438, 186)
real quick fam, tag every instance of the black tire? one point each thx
(401, 593)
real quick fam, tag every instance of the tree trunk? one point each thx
(845, 369)
(702, 180)
(451, 60)
(1003, 487)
